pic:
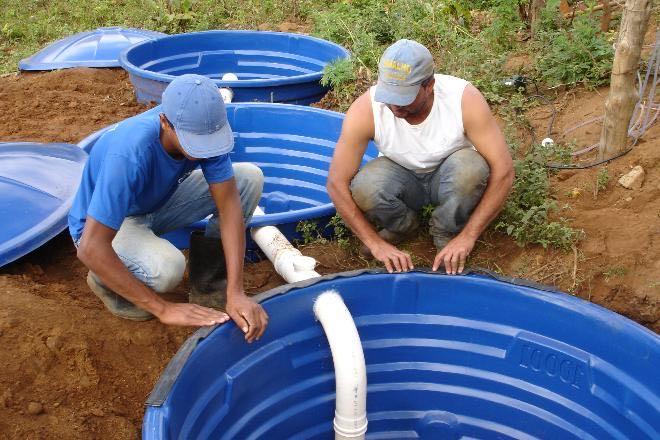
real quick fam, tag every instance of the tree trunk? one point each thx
(623, 95)
(607, 16)
(535, 9)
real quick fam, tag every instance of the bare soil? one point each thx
(72, 370)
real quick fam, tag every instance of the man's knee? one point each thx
(169, 270)
(469, 172)
(369, 187)
(250, 184)
(249, 175)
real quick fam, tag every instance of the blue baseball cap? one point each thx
(192, 103)
(401, 70)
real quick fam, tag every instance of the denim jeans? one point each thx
(391, 196)
(157, 262)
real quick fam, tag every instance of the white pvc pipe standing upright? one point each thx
(350, 371)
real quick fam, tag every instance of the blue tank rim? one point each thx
(273, 219)
(160, 393)
(252, 83)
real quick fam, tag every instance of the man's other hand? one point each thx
(248, 316)
(393, 259)
(454, 255)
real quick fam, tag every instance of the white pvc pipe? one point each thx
(227, 93)
(350, 371)
(288, 261)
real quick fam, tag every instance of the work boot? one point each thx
(393, 238)
(208, 272)
(117, 304)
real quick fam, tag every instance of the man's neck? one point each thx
(421, 116)
(170, 148)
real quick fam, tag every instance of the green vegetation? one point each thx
(602, 179)
(340, 232)
(309, 230)
(615, 272)
(526, 217)
(425, 214)
(580, 54)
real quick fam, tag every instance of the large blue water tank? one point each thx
(447, 357)
(270, 66)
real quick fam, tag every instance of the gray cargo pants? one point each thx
(391, 196)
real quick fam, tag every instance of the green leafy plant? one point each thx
(526, 216)
(426, 213)
(179, 15)
(341, 76)
(340, 232)
(602, 179)
(577, 54)
(309, 231)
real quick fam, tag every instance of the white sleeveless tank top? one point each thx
(421, 148)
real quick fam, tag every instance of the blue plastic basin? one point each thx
(293, 146)
(270, 66)
(37, 185)
(97, 48)
(447, 358)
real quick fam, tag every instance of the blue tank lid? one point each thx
(37, 185)
(97, 48)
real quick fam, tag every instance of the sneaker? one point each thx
(393, 238)
(117, 305)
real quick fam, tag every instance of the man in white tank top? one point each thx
(438, 143)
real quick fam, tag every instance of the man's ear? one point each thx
(163, 121)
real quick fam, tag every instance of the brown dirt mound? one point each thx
(64, 105)
(72, 370)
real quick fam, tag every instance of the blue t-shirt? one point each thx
(130, 173)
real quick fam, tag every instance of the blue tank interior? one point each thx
(447, 357)
(270, 66)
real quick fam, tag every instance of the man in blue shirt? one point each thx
(140, 182)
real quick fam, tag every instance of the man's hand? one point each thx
(190, 314)
(391, 257)
(248, 316)
(454, 255)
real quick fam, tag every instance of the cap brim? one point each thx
(395, 95)
(202, 146)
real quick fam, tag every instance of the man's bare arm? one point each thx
(482, 130)
(357, 131)
(248, 315)
(96, 252)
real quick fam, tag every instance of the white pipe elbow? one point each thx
(350, 370)
(289, 263)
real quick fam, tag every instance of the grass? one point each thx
(615, 272)
(602, 179)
